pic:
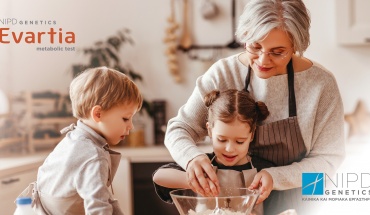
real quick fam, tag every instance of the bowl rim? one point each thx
(254, 192)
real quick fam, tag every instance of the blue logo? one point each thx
(313, 183)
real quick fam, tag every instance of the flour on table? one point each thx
(210, 212)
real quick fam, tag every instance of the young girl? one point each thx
(232, 117)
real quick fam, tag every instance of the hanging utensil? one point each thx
(186, 40)
(171, 41)
(209, 9)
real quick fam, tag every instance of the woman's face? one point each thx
(270, 56)
(230, 142)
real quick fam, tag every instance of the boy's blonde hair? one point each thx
(102, 86)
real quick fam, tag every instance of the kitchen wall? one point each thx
(349, 64)
(24, 68)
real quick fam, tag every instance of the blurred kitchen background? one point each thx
(164, 45)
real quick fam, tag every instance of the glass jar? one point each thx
(136, 138)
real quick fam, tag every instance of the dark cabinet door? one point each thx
(146, 201)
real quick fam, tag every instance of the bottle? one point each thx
(24, 206)
(136, 138)
(160, 122)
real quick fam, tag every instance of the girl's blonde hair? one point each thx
(102, 86)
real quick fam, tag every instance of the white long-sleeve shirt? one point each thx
(319, 111)
(78, 167)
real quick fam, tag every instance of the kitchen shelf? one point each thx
(47, 140)
(54, 120)
(51, 106)
(8, 141)
(11, 134)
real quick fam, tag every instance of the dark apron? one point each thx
(280, 143)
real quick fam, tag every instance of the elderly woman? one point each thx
(304, 132)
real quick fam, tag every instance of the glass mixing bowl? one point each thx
(231, 201)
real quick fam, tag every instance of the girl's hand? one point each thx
(263, 180)
(201, 176)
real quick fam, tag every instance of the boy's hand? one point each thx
(263, 180)
(201, 176)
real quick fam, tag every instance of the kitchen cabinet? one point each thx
(122, 186)
(144, 192)
(353, 22)
(133, 185)
(124, 181)
(11, 186)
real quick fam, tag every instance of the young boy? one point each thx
(76, 178)
(232, 119)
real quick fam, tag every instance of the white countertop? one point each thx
(16, 164)
(150, 153)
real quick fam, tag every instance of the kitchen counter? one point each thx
(20, 163)
(151, 153)
(16, 164)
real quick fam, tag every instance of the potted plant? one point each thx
(106, 53)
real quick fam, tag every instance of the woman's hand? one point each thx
(201, 176)
(263, 180)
